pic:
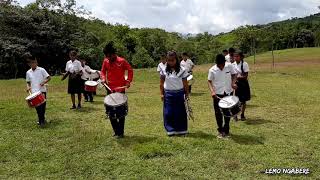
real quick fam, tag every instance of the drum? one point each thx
(35, 99)
(190, 79)
(116, 105)
(90, 86)
(230, 106)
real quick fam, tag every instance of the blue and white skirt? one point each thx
(174, 112)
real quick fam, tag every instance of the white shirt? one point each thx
(35, 78)
(161, 67)
(173, 81)
(188, 64)
(86, 71)
(73, 67)
(238, 67)
(221, 79)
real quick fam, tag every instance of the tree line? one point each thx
(50, 29)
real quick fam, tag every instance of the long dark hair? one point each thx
(176, 66)
(240, 53)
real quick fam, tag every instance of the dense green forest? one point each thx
(49, 29)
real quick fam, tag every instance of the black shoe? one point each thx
(73, 107)
(79, 106)
(243, 118)
(120, 136)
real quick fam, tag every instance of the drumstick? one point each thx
(223, 100)
(122, 87)
(105, 85)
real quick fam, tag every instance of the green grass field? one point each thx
(282, 130)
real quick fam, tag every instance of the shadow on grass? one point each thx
(197, 94)
(128, 141)
(252, 106)
(257, 121)
(247, 139)
(95, 102)
(85, 109)
(200, 135)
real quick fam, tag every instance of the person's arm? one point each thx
(130, 73)
(162, 79)
(192, 64)
(244, 76)
(28, 80)
(212, 90)
(47, 77)
(66, 74)
(28, 87)
(233, 77)
(186, 87)
(103, 72)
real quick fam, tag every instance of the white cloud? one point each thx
(194, 16)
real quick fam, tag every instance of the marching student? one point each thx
(86, 72)
(225, 52)
(162, 64)
(243, 90)
(187, 64)
(36, 79)
(174, 90)
(229, 57)
(74, 71)
(221, 82)
(113, 74)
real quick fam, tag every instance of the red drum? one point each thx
(90, 86)
(36, 99)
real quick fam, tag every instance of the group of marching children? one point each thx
(76, 71)
(229, 75)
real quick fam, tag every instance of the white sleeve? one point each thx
(45, 73)
(79, 66)
(246, 67)
(28, 79)
(185, 74)
(158, 68)
(67, 67)
(191, 63)
(211, 76)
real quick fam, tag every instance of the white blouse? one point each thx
(173, 81)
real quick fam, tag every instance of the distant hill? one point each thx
(50, 30)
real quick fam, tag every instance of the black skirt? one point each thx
(75, 84)
(243, 91)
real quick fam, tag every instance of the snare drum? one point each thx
(230, 106)
(116, 105)
(35, 99)
(190, 79)
(90, 86)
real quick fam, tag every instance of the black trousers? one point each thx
(190, 89)
(41, 111)
(222, 121)
(117, 124)
(88, 96)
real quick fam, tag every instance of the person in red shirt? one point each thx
(113, 74)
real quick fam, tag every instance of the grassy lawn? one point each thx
(282, 130)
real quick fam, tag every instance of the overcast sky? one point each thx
(196, 16)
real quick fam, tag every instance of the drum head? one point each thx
(228, 102)
(115, 99)
(33, 95)
(91, 83)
